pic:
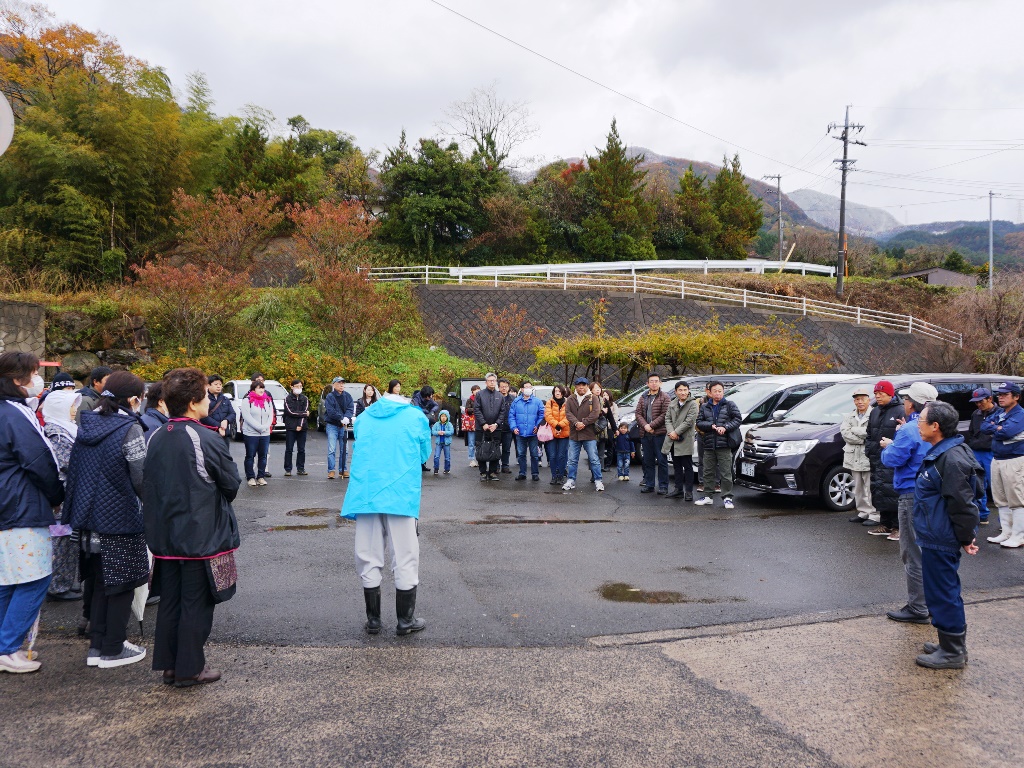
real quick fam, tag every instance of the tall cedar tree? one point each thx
(700, 228)
(622, 225)
(738, 211)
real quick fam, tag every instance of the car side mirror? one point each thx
(452, 394)
(779, 415)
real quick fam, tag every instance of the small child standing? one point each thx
(443, 430)
(623, 451)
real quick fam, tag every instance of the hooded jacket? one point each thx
(443, 432)
(554, 415)
(882, 423)
(855, 432)
(189, 482)
(905, 454)
(681, 420)
(424, 400)
(30, 485)
(386, 473)
(945, 511)
(526, 415)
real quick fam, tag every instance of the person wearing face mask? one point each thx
(103, 508)
(525, 416)
(296, 419)
(155, 415)
(30, 489)
(58, 409)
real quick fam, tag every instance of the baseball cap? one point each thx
(1008, 387)
(865, 390)
(585, 380)
(336, 379)
(885, 386)
(921, 392)
(980, 394)
(62, 381)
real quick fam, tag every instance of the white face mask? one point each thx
(296, 390)
(527, 392)
(35, 388)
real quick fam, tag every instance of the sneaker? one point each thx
(599, 486)
(17, 664)
(625, 478)
(447, 472)
(983, 521)
(330, 475)
(700, 488)
(130, 653)
(881, 530)
(718, 488)
(493, 478)
(520, 477)
(894, 536)
(345, 474)
(872, 521)
(569, 485)
(303, 472)
(262, 481)
(535, 478)
(287, 474)
(555, 481)
(705, 501)
(506, 471)
(252, 482)
(435, 473)
(484, 478)
(687, 497)
(92, 659)
(728, 503)
(474, 463)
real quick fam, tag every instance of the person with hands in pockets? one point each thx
(296, 421)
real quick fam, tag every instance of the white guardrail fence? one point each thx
(623, 276)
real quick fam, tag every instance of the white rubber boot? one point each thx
(1017, 538)
(1005, 524)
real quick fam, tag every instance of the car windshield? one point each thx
(829, 406)
(276, 391)
(751, 394)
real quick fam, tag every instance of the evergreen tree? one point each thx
(738, 211)
(699, 226)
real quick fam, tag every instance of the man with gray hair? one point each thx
(904, 455)
(491, 412)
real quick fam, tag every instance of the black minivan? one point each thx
(802, 454)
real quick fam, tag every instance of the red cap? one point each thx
(887, 387)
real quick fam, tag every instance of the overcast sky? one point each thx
(764, 78)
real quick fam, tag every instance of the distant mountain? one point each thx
(943, 229)
(860, 219)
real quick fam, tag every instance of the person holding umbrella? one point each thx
(383, 498)
(189, 483)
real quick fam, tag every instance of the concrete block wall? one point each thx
(22, 328)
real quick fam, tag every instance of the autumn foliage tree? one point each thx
(498, 338)
(332, 233)
(223, 228)
(192, 303)
(347, 307)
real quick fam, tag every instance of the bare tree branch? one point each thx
(495, 127)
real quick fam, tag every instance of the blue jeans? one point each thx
(653, 455)
(524, 444)
(471, 444)
(985, 459)
(942, 590)
(590, 446)
(622, 459)
(19, 606)
(447, 451)
(558, 454)
(256, 446)
(336, 436)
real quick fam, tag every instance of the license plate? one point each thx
(746, 468)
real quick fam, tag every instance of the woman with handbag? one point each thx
(558, 446)
(190, 481)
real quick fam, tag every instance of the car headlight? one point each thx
(795, 447)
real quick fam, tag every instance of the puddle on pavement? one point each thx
(619, 592)
(314, 527)
(312, 512)
(521, 520)
(789, 513)
(693, 569)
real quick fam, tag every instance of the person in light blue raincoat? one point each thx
(383, 498)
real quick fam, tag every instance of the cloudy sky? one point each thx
(935, 82)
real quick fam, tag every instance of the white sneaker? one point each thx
(474, 463)
(704, 502)
(130, 653)
(17, 664)
(93, 658)
(599, 486)
(1014, 541)
(261, 481)
(729, 505)
(252, 482)
(569, 485)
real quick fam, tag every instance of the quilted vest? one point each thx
(100, 497)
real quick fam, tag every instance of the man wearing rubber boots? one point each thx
(945, 521)
(383, 498)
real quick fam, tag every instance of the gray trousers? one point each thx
(910, 554)
(372, 535)
(718, 461)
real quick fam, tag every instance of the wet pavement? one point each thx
(563, 629)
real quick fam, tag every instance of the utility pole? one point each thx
(845, 164)
(778, 180)
(990, 241)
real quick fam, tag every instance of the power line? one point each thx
(944, 109)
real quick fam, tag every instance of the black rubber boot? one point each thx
(372, 598)
(933, 647)
(951, 653)
(405, 607)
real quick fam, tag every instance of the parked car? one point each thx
(769, 397)
(354, 388)
(627, 403)
(236, 389)
(800, 453)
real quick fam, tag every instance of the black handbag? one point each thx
(634, 431)
(601, 425)
(488, 449)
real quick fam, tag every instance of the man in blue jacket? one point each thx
(904, 455)
(946, 521)
(525, 416)
(1006, 425)
(383, 498)
(339, 409)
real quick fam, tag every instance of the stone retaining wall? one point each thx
(22, 328)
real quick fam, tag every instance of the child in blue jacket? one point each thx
(443, 430)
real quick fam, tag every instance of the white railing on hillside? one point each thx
(628, 280)
(755, 266)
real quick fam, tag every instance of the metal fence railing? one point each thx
(559, 277)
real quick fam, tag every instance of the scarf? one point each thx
(560, 401)
(57, 410)
(260, 401)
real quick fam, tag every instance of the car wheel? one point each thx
(837, 489)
